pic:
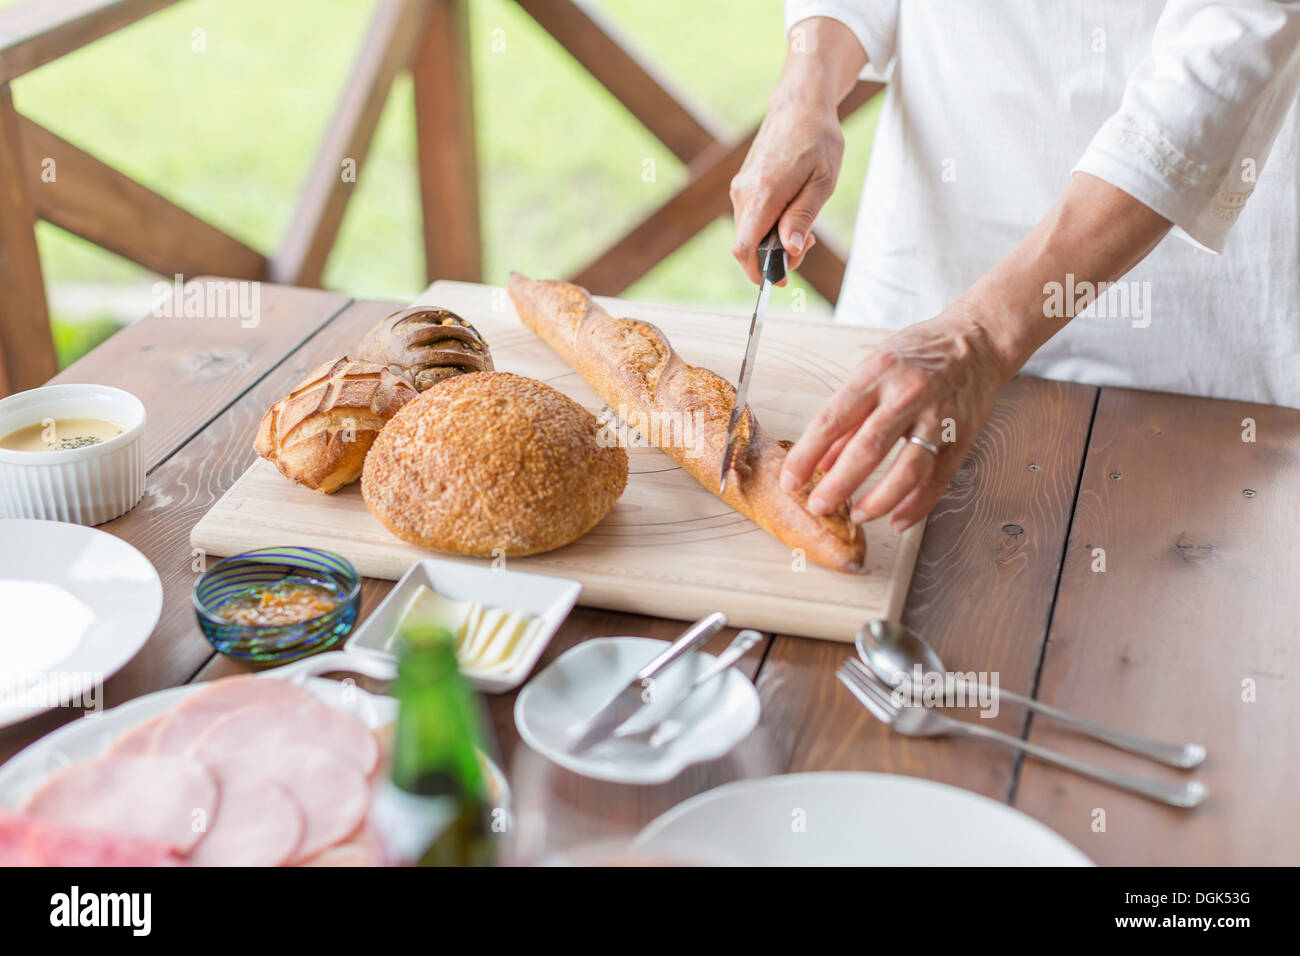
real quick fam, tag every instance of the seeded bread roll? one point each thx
(319, 433)
(492, 463)
(633, 367)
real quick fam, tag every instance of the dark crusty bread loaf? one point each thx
(425, 345)
(634, 369)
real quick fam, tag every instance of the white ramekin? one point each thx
(88, 485)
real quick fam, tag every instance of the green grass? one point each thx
(74, 339)
(230, 133)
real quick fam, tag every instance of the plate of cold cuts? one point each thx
(276, 769)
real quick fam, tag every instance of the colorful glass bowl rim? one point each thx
(240, 570)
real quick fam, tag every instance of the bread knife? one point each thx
(771, 263)
(632, 697)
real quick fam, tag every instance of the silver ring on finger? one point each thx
(925, 443)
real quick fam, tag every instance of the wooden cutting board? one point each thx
(669, 547)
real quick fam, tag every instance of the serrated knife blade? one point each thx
(771, 263)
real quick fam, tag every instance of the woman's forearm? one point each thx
(1095, 233)
(823, 60)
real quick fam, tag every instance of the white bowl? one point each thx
(539, 595)
(88, 485)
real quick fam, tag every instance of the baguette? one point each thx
(633, 368)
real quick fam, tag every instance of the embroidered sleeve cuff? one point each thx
(1202, 201)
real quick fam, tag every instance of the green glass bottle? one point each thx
(434, 810)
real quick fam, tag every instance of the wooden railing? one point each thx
(429, 37)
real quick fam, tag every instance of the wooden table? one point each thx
(1126, 555)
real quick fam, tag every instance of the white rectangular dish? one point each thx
(550, 599)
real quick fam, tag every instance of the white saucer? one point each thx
(706, 726)
(76, 605)
(854, 819)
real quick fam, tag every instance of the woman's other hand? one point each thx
(937, 380)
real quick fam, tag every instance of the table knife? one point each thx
(738, 648)
(771, 263)
(632, 697)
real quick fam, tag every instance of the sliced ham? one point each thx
(26, 840)
(16, 839)
(241, 712)
(279, 725)
(258, 823)
(332, 795)
(138, 740)
(194, 716)
(361, 849)
(164, 798)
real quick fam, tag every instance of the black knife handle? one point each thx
(771, 257)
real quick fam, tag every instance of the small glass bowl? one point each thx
(277, 643)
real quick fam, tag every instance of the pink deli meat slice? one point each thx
(333, 795)
(26, 840)
(361, 849)
(258, 823)
(138, 740)
(277, 726)
(159, 797)
(190, 719)
(242, 712)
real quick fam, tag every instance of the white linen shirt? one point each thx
(1187, 105)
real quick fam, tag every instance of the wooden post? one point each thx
(26, 347)
(386, 51)
(447, 158)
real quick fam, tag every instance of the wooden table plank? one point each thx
(187, 370)
(1198, 597)
(981, 595)
(193, 475)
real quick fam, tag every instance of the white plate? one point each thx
(90, 736)
(75, 605)
(538, 595)
(712, 720)
(854, 819)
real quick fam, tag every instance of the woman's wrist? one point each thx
(1007, 306)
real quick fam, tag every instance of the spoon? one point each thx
(893, 652)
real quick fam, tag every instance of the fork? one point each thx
(924, 722)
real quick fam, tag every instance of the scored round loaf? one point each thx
(319, 433)
(492, 463)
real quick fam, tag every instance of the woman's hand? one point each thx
(794, 162)
(937, 380)
(790, 172)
